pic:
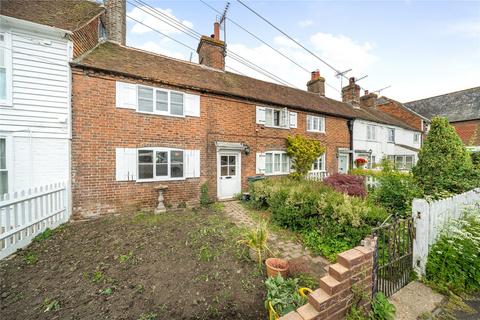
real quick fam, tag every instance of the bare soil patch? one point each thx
(182, 265)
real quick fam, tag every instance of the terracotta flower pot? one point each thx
(276, 266)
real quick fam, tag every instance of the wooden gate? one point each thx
(393, 259)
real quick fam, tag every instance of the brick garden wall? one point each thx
(335, 296)
(99, 128)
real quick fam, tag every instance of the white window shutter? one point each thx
(125, 164)
(293, 119)
(120, 165)
(192, 105)
(126, 95)
(260, 163)
(192, 163)
(322, 124)
(261, 115)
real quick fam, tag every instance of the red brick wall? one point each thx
(86, 37)
(99, 128)
(395, 110)
(469, 131)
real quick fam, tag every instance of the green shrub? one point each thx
(454, 260)
(395, 191)
(444, 166)
(303, 152)
(382, 309)
(329, 221)
(283, 294)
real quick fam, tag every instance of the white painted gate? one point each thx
(26, 214)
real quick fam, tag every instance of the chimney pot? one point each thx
(216, 31)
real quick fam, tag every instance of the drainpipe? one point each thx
(350, 130)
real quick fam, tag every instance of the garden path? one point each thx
(286, 249)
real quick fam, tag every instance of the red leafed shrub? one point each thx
(346, 183)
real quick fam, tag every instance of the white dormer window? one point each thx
(371, 133)
(5, 70)
(315, 124)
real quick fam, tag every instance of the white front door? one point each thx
(229, 175)
(343, 163)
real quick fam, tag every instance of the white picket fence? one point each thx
(25, 214)
(317, 175)
(431, 217)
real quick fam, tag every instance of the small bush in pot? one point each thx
(257, 241)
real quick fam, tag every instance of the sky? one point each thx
(417, 49)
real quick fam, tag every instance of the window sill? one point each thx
(276, 174)
(315, 131)
(275, 127)
(160, 114)
(160, 180)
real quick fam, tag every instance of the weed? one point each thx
(95, 277)
(204, 198)
(148, 316)
(217, 207)
(50, 305)
(125, 257)
(107, 291)
(30, 258)
(47, 234)
(206, 254)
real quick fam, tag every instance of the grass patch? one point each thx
(30, 258)
(47, 234)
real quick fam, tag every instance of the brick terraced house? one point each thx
(142, 119)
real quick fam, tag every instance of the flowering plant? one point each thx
(360, 161)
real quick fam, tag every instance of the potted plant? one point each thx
(276, 266)
(257, 241)
(360, 162)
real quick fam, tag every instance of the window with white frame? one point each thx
(371, 133)
(3, 166)
(319, 163)
(391, 135)
(157, 101)
(315, 123)
(277, 162)
(276, 117)
(416, 137)
(160, 164)
(5, 69)
(402, 162)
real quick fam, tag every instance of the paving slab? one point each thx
(413, 300)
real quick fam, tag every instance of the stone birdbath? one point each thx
(161, 206)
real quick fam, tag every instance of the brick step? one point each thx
(330, 285)
(350, 258)
(338, 272)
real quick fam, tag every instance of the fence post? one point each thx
(421, 217)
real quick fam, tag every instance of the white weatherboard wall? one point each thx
(37, 121)
(380, 147)
(431, 217)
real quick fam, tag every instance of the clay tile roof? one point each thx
(63, 14)
(111, 57)
(456, 106)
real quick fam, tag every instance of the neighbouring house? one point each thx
(462, 108)
(393, 134)
(38, 39)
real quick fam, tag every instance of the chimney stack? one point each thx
(115, 20)
(351, 93)
(368, 100)
(211, 50)
(316, 84)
